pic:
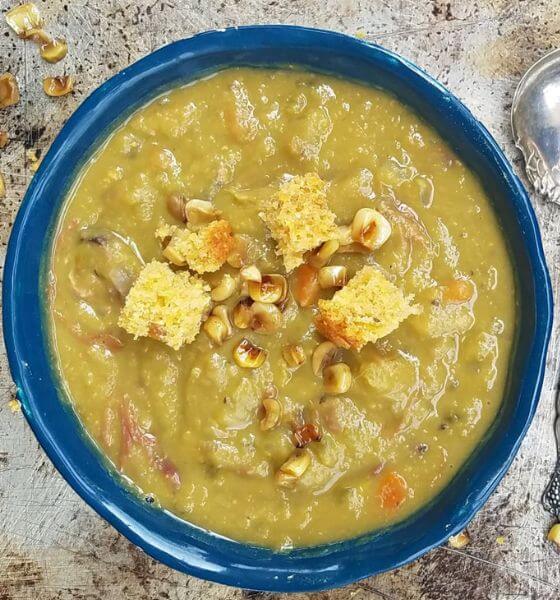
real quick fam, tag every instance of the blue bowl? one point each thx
(162, 535)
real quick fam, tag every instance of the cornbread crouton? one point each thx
(164, 305)
(368, 308)
(204, 250)
(299, 218)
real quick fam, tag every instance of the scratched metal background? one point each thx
(52, 546)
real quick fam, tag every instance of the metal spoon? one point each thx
(535, 120)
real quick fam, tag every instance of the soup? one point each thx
(281, 306)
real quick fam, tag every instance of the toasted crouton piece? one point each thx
(204, 250)
(164, 305)
(368, 308)
(299, 218)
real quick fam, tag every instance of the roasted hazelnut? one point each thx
(320, 257)
(323, 356)
(9, 90)
(224, 289)
(272, 413)
(249, 356)
(294, 355)
(332, 276)
(265, 318)
(58, 86)
(293, 468)
(24, 19)
(273, 289)
(337, 378)
(242, 313)
(370, 228)
(54, 50)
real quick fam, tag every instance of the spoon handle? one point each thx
(544, 178)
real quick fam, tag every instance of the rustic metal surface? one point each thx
(52, 546)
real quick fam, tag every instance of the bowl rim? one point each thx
(237, 574)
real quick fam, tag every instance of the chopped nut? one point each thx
(2, 187)
(242, 313)
(58, 86)
(249, 356)
(215, 329)
(273, 289)
(9, 90)
(54, 50)
(199, 212)
(176, 206)
(221, 312)
(337, 378)
(305, 286)
(4, 139)
(251, 273)
(24, 19)
(293, 468)
(370, 228)
(306, 434)
(460, 540)
(333, 276)
(272, 414)
(554, 534)
(294, 355)
(224, 289)
(323, 356)
(320, 257)
(265, 318)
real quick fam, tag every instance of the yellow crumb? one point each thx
(368, 308)
(299, 218)
(14, 405)
(204, 250)
(166, 306)
(361, 35)
(501, 540)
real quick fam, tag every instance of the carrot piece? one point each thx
(306, 287)
(458, 290)
(393, 490)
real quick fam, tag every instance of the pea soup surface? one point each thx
(186, 426)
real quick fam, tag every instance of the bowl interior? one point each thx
(164, 536)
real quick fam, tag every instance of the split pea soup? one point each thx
(281, 306)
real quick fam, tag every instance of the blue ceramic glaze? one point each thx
(165, 537)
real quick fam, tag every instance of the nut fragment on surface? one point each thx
(554, 534)
(4, 139)
(320, 257)
(294, 355)
(337, 378)
(272, 414)
(54, 50)
(58, 86)
(460, 540)
(323, 356)
(370, 228)
(265, 318)
(2, 187)
(9, 90)
(273, 289)
(242, 313)
(249, 356)
(33, 160)
(224, 289)
(293, 468)
(24, 19)
(251, 273)
(333, 277)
